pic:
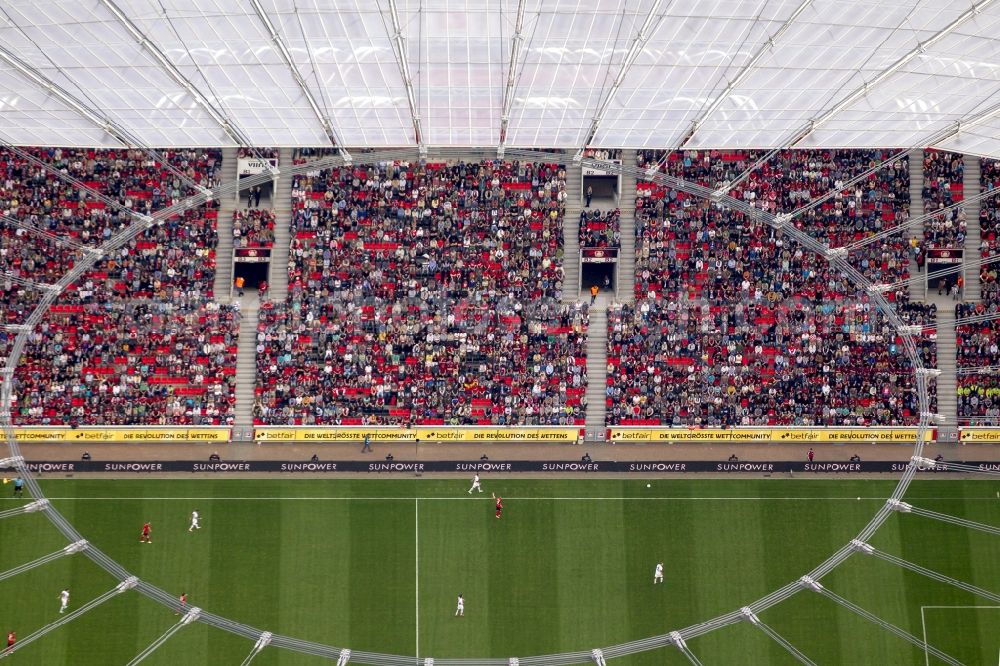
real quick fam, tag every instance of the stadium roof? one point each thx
(560, 73)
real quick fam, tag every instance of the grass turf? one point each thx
(363, 564)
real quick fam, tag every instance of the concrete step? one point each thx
(224, 226)
(246, 367)
(972, 186)
(282, 230)
(916, 229)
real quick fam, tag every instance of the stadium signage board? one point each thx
(252, 255)
(249, 166)
(599, 255)
(597, 171)
(789, 435)
(124, 434)
(422, 433)
(639, 468)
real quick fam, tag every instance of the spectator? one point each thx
(943, 186)
(586, 459)
(590, 195)
(315, 458)
(426, 292)
(253, 228)
(733, 458)
(600, 229)
(731, 326)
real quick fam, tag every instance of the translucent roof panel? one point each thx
(612, 73)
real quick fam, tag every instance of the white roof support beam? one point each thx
(36, 77)
(515, 59)
(882, 76)
(973, 121)
(399, 48)
(647, 30)
(218, 116)
(744, 72)
(279, 43)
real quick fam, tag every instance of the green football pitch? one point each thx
(377, 565)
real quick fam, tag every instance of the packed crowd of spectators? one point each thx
(603, 153)
(943, 187)
(461, 364)
(600, 228)
(734, 324)
(175, 258)
(253, 227)
(756, 363)
(429, 283)
(978, 353)
(689, 244)
(258, 153)
(303, 155)
(49, 225)
(989, 229)
(129, 362)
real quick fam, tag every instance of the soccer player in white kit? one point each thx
(461, 606)
(475, 484)
(658, 574)
(194, 521)
(64, 600)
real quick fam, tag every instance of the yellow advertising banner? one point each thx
(423, 433)
(979, 435)
(487, 434)
(790, 435)
(98, 434)
(333, 435)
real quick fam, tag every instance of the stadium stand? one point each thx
(943, 187)
(600, 228)
(978, 346)
(253, 227)
(137, 339)
(989, 225)
(733, 326)
(427, 294)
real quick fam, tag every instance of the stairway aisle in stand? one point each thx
(246, 363)
(971, 188)
(282, 229)
(597, 367)
(571, 232)
(916, 229)
(224, 228)
(626, 256)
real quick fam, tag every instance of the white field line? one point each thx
(923, 623)
(416, 566)
(462, 497)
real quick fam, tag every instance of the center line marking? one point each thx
(416, 565)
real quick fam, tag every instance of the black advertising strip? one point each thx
(513, 466)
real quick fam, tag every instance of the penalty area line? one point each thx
(923, 624)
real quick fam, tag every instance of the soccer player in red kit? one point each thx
(145, 538)
(184, 602)
(11, 639)
(499, 506)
